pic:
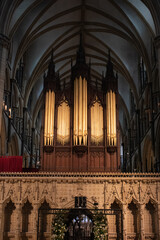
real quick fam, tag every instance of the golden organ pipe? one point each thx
(74, 132)
(49, 100)
(76, 111)
(80, 110)
(96, 123)
(63, 127)
(114, 118)
(108, 116)
(86, 113)
(51, 124)
(46, 116)
(111, 117)
(48, 120)
(84, 103)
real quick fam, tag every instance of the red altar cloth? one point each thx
(11, 164)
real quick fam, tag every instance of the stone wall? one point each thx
(22, 194)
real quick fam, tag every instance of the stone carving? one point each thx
(60, 189)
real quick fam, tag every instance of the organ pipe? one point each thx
(49, 118)
(96, 123)
(63, 123)
(111, 118)
(80, 111)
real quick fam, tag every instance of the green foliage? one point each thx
(59, 227)
(100, 226)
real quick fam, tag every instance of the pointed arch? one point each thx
(27, 219)
(117, 201)
(44, 217)
(150, 226)
(9, 216)
(134, 200)
(133, 218)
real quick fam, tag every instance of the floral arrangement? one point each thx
(100, 226)
(59, 227)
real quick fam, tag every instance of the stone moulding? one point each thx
(80, 174)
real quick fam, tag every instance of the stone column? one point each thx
(1, 222)
(141, 211)
(35, 221)
(157, 44)
(4, 45)
(18, 222)
(124, 215)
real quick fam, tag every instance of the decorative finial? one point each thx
(109, 65)
(51, 66)
(81, 52)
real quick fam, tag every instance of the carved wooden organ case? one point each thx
(80, 131)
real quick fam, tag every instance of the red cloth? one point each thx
(11, 164)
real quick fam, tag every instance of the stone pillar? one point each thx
(18, 222)
(4, 45)
(1, 222)
(141, 211)
(157, 44)
(124, 214)
(35, 221)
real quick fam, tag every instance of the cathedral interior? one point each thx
(80, 118)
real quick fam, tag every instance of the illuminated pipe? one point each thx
(49, 118)
(80, 119)
(96, 123)
(63, 123)
(45, 124)
(111, 118)
(114, 118)
(84, 113)
(80, 111)
(74, 137)
(49, 114)
(53, 114)
(76, 128)
(108, 117)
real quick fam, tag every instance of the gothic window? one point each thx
(10, 217)
(114, 221)
(45, 219)
(26, 217)
(149, 219)
(132, 219)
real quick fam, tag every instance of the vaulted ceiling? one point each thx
(35, 27)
